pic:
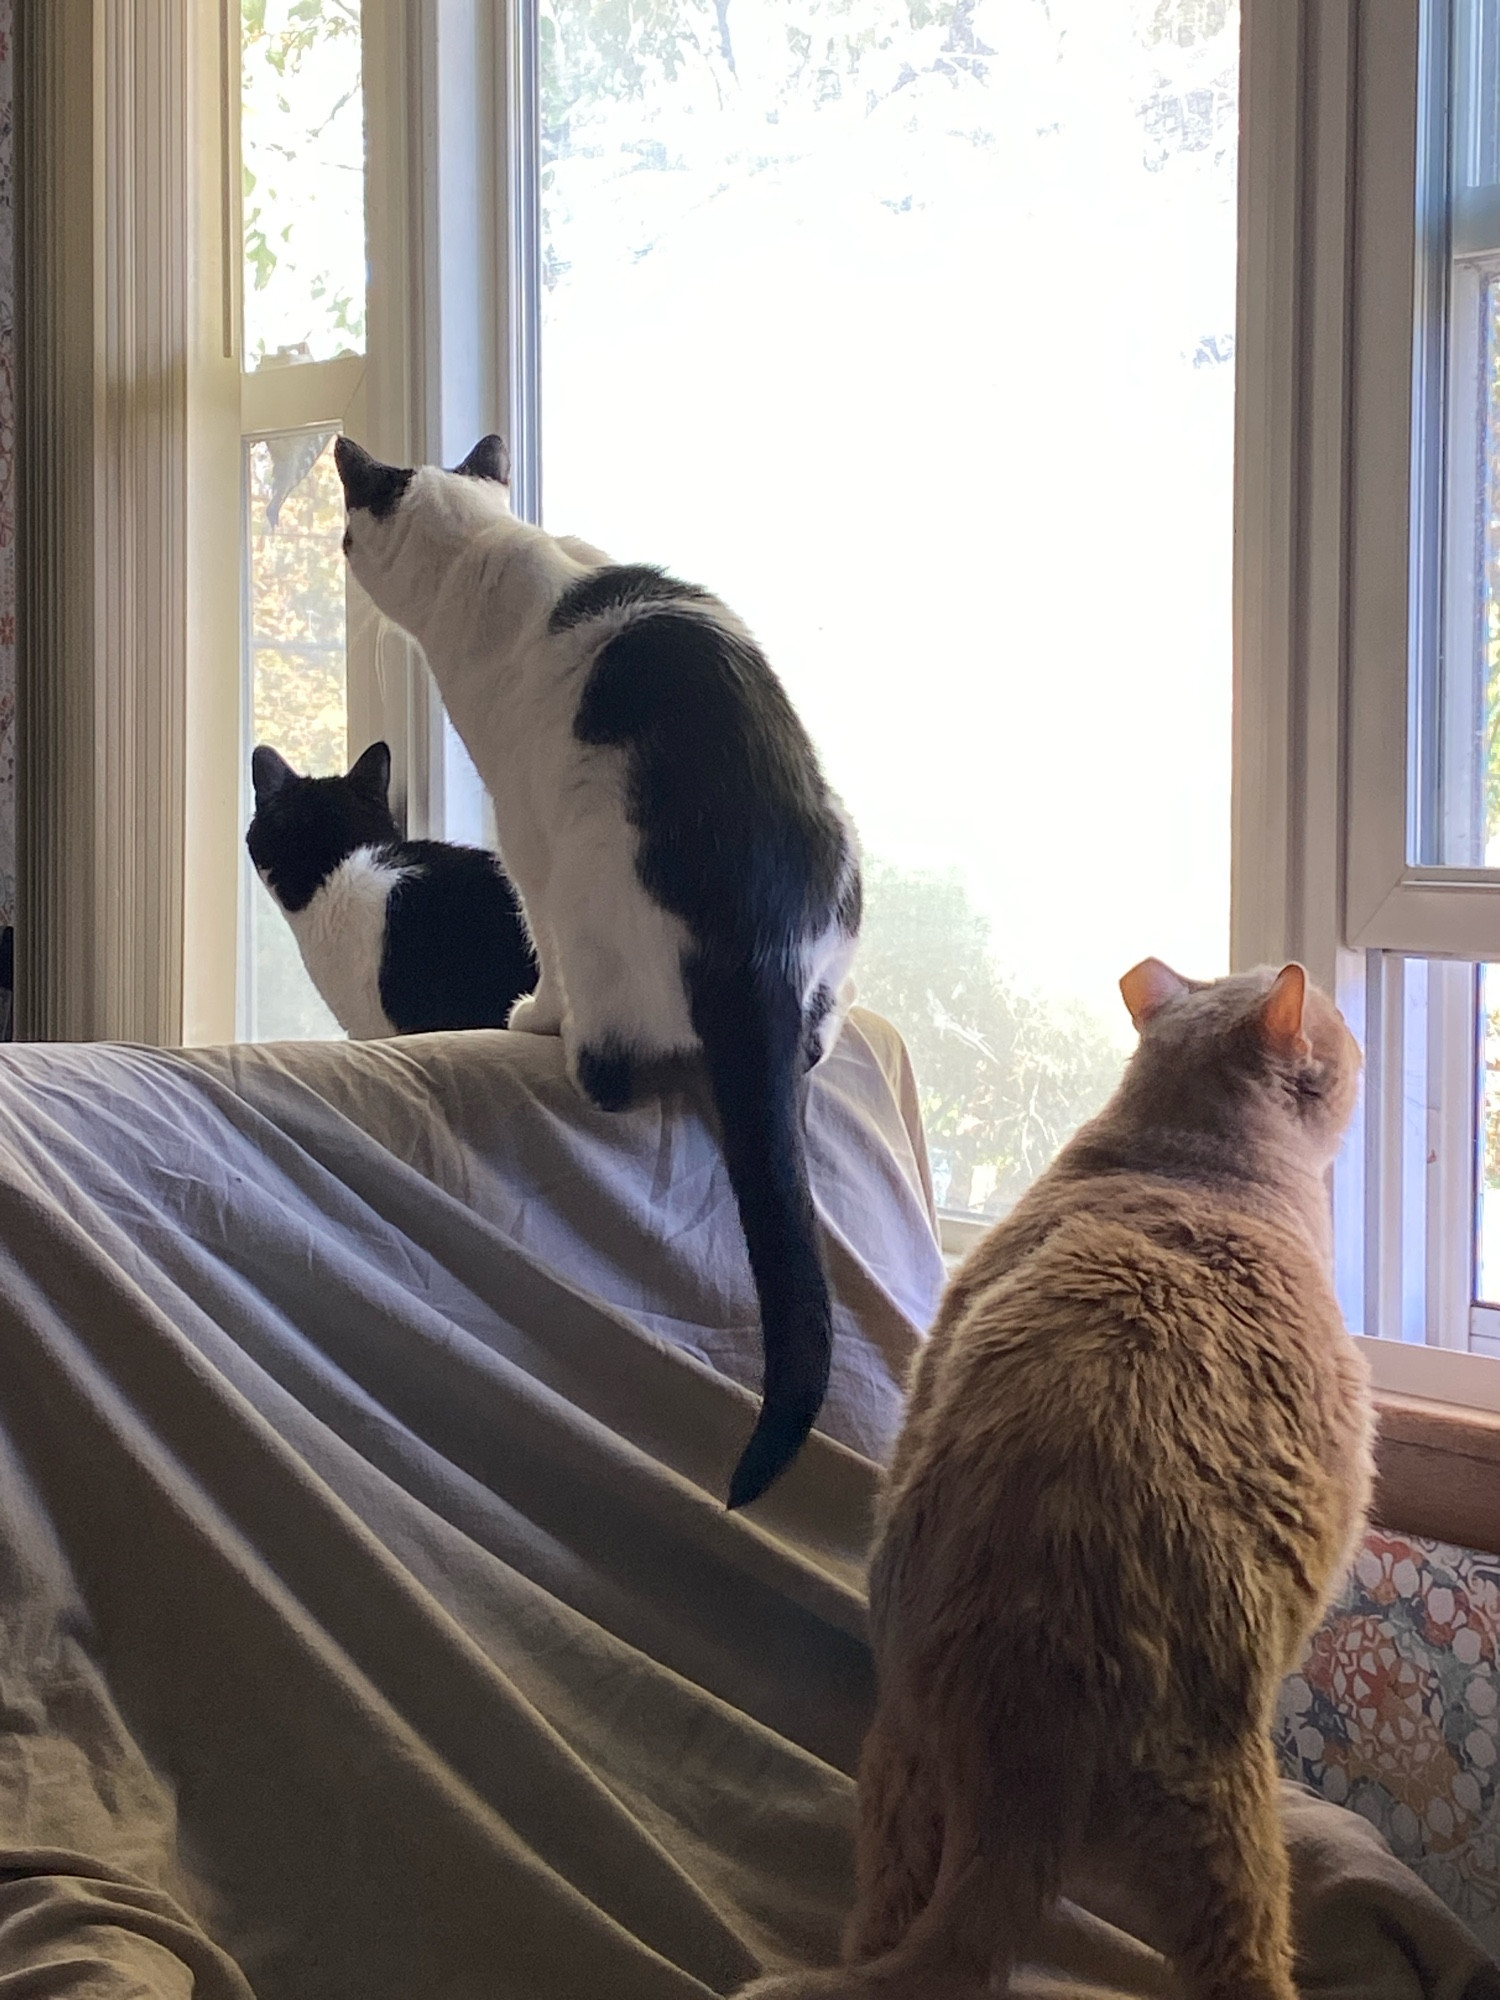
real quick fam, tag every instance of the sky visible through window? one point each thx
(909, 329)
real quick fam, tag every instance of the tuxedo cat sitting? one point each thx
(399, 936)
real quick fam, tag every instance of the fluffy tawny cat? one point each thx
(1136, 1463)
(689, 881)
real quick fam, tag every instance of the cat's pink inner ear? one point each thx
(1148, 987)
(1282, 1009)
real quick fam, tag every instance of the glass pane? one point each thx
(295, 659)
(1417, 1187)
(302, 149)
(909, 329)
(1457, 802)
(1476, 94)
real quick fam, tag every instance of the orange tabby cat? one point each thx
(1136, 1462)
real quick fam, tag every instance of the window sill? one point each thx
(1438, 1471)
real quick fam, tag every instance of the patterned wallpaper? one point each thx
(1396, 1713)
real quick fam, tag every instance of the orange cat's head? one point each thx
(1265, 1048)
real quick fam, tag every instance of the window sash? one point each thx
(1408, 242)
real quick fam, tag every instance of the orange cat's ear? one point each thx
(1281, 1012)
(1148, 987)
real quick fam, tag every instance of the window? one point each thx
(750, 288)
(1421, 1208)
(302, 348)
(910, 331)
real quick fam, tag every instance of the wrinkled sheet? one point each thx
(371, 1627)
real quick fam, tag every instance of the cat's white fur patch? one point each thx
(341, 935)
(454, 567)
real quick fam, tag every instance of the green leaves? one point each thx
(1004, 1075)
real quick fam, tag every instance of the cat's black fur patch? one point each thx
(738, 836)
(606, 1076)
(304, 827)
(367, 482)
(615, 588)
(749, 1020)
(456, 951)
(716, 748)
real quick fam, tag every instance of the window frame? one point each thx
(1398, 469)
(1323, 612)
(1326, 509)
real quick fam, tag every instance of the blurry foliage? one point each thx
(297, 615)
(304, 26)
(1183, 22)
(600, 50)
(1004, 1075)
(297, 683)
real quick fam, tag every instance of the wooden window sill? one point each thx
(1438, 1471)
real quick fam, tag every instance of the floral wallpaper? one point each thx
(1394, 1713)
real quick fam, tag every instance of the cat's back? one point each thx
(1155, 1394)
(1140, 1315)
(455, 951)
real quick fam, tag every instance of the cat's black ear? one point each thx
(367, 482)
(269, 771)
(1147, 988)
(371, 773)
(490, 459)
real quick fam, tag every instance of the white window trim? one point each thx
(1393, 903)
(1324, 622)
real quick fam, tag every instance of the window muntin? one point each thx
(816, 331)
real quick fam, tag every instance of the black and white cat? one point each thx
(399, 936)
(690, 881)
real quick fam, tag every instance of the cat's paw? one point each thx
(531, 1016)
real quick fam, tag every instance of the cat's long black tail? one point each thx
(749, 1020)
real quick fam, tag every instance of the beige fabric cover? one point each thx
(370, 1625)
